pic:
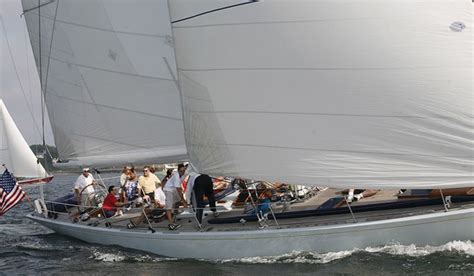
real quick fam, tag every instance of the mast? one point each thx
(41, 190)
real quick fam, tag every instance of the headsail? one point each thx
(108, 74)
(330, 93)
(15, 152)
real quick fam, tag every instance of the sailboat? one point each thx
(16, 155)
(363, 94)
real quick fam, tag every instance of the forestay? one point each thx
(329, 93)
(14, 151)
(108, 74)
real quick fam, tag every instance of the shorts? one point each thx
(109, 213)
(152, 196)
(171, 199)
(88, 200)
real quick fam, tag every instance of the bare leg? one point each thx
(138, 220)
(350, 195)
(169, 216)
(366, 193)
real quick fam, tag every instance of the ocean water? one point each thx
(28, 248)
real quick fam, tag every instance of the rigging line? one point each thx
(214, 10)
(37, 7)
(104, 29)
(49, 55)
(41, 74)
(116, 108)
(109, 70)
(18, 75)
(25, 31)
(43, 107)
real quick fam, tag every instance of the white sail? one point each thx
(329, 93)
(15, 152)
(108, 73)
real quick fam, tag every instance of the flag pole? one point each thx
(29, 199)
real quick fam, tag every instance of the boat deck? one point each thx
(189, 223)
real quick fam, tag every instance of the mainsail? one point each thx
(331, 93)
(108, 74)
(14, 151)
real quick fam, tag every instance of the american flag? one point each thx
(10, 192)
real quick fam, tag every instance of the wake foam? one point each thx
(296, 257)
(463, 247)
(107, 257)
(37, 246)
(118, 256)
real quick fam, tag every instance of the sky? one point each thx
(18, 102)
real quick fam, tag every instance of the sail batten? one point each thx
(329, 93)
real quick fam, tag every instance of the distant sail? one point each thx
(109, 72)
(329, 93)
(14, 151)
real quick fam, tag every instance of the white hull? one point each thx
(429, 229)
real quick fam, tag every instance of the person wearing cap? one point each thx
(83, 187)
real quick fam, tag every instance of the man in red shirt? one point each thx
(110, 202)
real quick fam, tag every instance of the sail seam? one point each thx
(116, 142)
(327, 114)
(197, 99)
(316, 69)
(115, 108)
(111, 71)
(157, 151)
(334, 150)
(278, 22)
(107, 140)
(34, 43)
(102, 29)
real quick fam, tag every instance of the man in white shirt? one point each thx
(160, 197)
(84, 184)
(174, 194)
